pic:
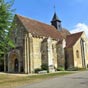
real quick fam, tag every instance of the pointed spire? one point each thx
(55, 18)
(54, 8)
(56, 22)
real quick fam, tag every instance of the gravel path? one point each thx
(78, 80)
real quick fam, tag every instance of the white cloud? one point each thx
(80, 27)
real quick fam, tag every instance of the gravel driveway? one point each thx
(78, 80)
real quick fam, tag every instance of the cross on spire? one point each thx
(54, 8)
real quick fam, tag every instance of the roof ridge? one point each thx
(39, 28)
(75, 33)
(33, 20)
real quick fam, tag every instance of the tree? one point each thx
(6, 17)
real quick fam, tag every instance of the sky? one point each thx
(72, 13)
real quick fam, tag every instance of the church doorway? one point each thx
(16, 65)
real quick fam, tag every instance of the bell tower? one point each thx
(56, 22)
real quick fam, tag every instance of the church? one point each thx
(38, 44)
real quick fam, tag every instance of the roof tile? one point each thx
(71, 39)
(37, 28)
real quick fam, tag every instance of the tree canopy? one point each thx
(6, 17)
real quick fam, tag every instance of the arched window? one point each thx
(77, 53)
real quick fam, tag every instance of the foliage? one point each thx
(44, 67)
(37, 70)
(1, 64)
(60, 69)
(6, 17)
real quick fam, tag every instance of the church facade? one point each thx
(38, 44)
(76, 50)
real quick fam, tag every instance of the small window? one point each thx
(77, 54)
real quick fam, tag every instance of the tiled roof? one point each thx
(71, 39)
(59, 42)
(64, 32)
(37, 28)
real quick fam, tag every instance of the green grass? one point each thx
(8, 81)
(50, 75)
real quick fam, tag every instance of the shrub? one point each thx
(44, 67)
(60, 69)
(37, 70)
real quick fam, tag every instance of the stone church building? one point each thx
(37, 43)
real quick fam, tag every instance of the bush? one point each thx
(44, 67)
(37, 70)
(60, 69)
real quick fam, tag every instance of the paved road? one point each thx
(78, 80)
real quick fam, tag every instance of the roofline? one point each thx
(80, 36)
(76, 33)
(16, 15)
(77, 39)
(33, 19)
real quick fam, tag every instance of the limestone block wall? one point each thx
(60, 55)
(20, 42)
(69, 61)
(77, 59)
(12, 55)
(74, 54)
(50, 55)
(49, 52)
(18, 33)
(77, 46)
(18, 36)
(37, 60)
(87, 54)
(54, 50)
(44, 52)
(86, 47)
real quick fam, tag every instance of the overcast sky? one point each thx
(72, 13)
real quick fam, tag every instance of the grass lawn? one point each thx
(12, 81)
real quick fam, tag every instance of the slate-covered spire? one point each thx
(56, 22)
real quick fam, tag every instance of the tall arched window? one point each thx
(77, 53)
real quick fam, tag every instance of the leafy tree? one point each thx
(6, 17)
